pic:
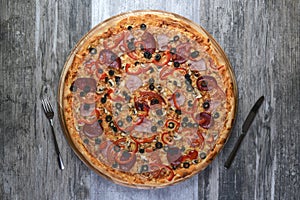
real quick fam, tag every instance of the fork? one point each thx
(48, 109)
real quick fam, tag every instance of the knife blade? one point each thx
(245, 127)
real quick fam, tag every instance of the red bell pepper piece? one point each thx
(167, 139)
(166, 60)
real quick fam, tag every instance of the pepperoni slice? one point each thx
(92, 130)
(109, 58)
(206, 83)
(87, 109)
(129, 159)
(87, 84)
(204, 119)
(149, 42)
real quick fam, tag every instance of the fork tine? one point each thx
(50, 109)
(46, 104)
(43, 104)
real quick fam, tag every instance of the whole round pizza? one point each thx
(147, 99)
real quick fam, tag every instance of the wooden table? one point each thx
(261, 39)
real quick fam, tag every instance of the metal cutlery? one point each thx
(48, 109)
(245, 128)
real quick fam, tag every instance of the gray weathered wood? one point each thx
(261, 39)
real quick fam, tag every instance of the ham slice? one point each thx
(198, 65)
(145, 126)
(133, 82)
(179, 98)
(149, 42)
(162, 41)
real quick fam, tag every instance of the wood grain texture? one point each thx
(261, 39)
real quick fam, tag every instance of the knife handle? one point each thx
(234, 151)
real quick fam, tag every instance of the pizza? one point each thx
(147, 99)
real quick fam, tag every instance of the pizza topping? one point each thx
(110, 59)
(154, 129)
(111, 72)
(133, 82)
(172, 124)
(149, 42)
(87, 109)
(85, 84)
(120, 123)
(176, 64)
(206, 83)
(162, 41)
(175, 38)
(145, 126)
(92, 130)
(158, 145)
(144, 168)
(202, 155)
(108, 118)
(178, 99)
(162, 60)
(147, 55)
(182, 52)
(198, 65)
(143, 26)
(73, 88)
(128, 163)
(133, 71)
(93, 51)
(173, 156)
(129, 28)
(205, 105)
(186, 165)
(167, 138)
(128, 118)
(195, 54)
(216, 115)
(103, 99)
(203, 119)
(178, 112)
(142, 150)
(157, 57)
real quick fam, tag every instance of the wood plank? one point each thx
(16, 86)
(59, 25)
(36, 38)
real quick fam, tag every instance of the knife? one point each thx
(245, 128)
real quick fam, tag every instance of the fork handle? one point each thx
(59, 158)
